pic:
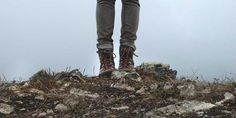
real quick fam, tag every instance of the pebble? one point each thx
(40, 97)
(50, 111)
(61, 107)
(6, 109)
(43, 114)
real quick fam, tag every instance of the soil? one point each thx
(97, 97)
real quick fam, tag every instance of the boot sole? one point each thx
(106, 73)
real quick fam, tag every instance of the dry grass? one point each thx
(44, 81)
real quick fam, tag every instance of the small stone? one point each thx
(141, 91)
(50, 111)
(187, 90)
(228, 112)
(233, 113)
(120, 108)
(118, 74)
(71, 101)
(55, 102)
(200, 113)
(22, 109)
(152, 114)
(61, 107)
(80, 92)
(22, 94)
(34, 114)
(6, 109)
(62, 89)
(5, 99)
(58, 82)
(153, 87)
(132, 96)
(167, 86)
(228, 96)
(206, 91)
(26, 84)
(43, 114)
(41, 97)
(50, 116)
(19, 102)
(143, 109)
(185, 107)
(67, 84)
(36, 91)
(13, 88)
(123, 86)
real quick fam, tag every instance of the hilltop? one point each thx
(152, 92)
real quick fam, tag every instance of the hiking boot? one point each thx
(107, 64)
(126, 59)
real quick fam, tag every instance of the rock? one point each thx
(19, 102)
(34, 115)
(152, 115)
(228, 96)
(128, 75)
(33, 90)
(13, 88)
(56, 102)
(123, 87)
(142, 90)
(161, 71)
(26, 84)
(167, 86)
(134, 76)
(61, 108)
(233, 113)
(50, 111)
(22, 109)
(120, 108)
(22, 94)
(83, 93)
(40, 97)
(43, 114)
(200, 113)
(153, 87)
(183, 107)
(6, 109)
(118, 74)
(151, 66)
(206, 91)
(227, 112)
(71, 101)
(234, 90)
(5, 99)
(187, 90)
(67, 84)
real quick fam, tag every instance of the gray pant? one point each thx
(105, 14)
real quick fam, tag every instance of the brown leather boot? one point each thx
(126, 59)
(107, 64)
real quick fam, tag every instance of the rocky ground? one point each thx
(152, 93)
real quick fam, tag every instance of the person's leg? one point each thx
(105, 14)
(130, 21)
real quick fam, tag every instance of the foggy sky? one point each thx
(190, 35)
